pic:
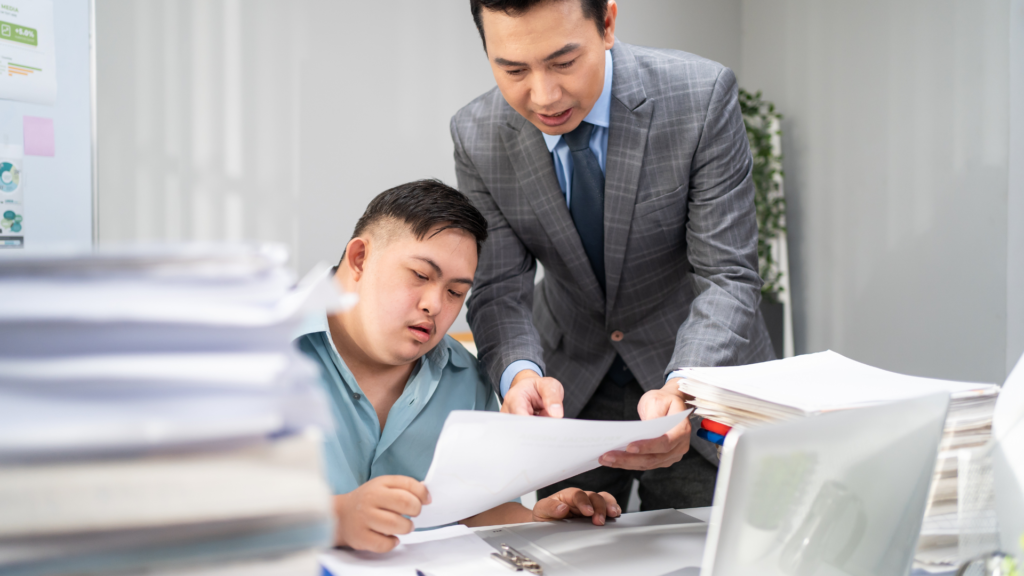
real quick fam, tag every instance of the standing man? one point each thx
(626, 172)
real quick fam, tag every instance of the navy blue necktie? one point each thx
(586, 198)
(586, 205)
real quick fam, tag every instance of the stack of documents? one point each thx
(826, 381)
(154, 417)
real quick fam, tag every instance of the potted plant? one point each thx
(763, 132)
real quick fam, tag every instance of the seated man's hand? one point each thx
(575, 503)
(533, 395)
(660, 452)
(370, 516)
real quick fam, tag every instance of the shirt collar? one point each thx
(439, 356)
(600, 114)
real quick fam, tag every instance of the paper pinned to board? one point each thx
(38, 135)
(484, 459)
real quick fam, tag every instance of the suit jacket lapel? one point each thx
(627, 138)
(535, 173)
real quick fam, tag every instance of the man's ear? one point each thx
(609, 24)
(356, 255)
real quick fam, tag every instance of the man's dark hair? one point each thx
(422, 206)
(596, 10)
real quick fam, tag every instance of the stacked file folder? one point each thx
(154, 417)
(827, 381)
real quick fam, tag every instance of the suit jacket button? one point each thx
(617, 336)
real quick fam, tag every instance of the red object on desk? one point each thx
(715, 427)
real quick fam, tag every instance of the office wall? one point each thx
(1015, 197)
(710, 28)
(896, 157)
(229, 120)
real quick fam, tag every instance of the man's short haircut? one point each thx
(424, 205)
(596, 10)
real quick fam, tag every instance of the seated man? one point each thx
(393, 375)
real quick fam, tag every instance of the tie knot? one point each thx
(579, 139)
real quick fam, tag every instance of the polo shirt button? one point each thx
(617, 336)
(356, 396)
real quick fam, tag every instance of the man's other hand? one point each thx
(370, 516)
(574, 503)
(660, 452)
(534, 395)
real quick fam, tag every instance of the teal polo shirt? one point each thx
(446, 378)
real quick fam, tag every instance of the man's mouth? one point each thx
(556, 119)
(421, 332)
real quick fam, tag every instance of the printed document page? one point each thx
(484, 459)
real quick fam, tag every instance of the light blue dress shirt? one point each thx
(445, 379)
(600, 117)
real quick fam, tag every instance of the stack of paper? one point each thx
(154, 416)
(824, 382)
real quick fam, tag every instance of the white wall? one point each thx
(710, 28)
(896, 157)
(1015, 197)
(223, 119)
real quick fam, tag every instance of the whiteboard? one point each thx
(57, 190)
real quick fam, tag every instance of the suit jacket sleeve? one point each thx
(721, 235)
(500, 306)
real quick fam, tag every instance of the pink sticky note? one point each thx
(38, 136)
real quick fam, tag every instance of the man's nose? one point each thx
(545, 92)
(430, 301)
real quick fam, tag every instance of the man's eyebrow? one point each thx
(440, 274)
(557, 53)
(502, 62)
(562, 51)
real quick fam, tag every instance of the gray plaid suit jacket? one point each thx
(680, 232)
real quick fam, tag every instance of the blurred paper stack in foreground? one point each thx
(824, 382)
(154, 417)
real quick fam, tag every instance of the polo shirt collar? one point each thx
(440, 356)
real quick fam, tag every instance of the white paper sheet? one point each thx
(1008, 462)
(164, 372)
(484, 459)
(1009, 410)
(450, 551)
(818, 382)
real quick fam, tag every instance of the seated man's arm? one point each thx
(371, 516)
(568, 503)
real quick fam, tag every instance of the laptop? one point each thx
(841, 494)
